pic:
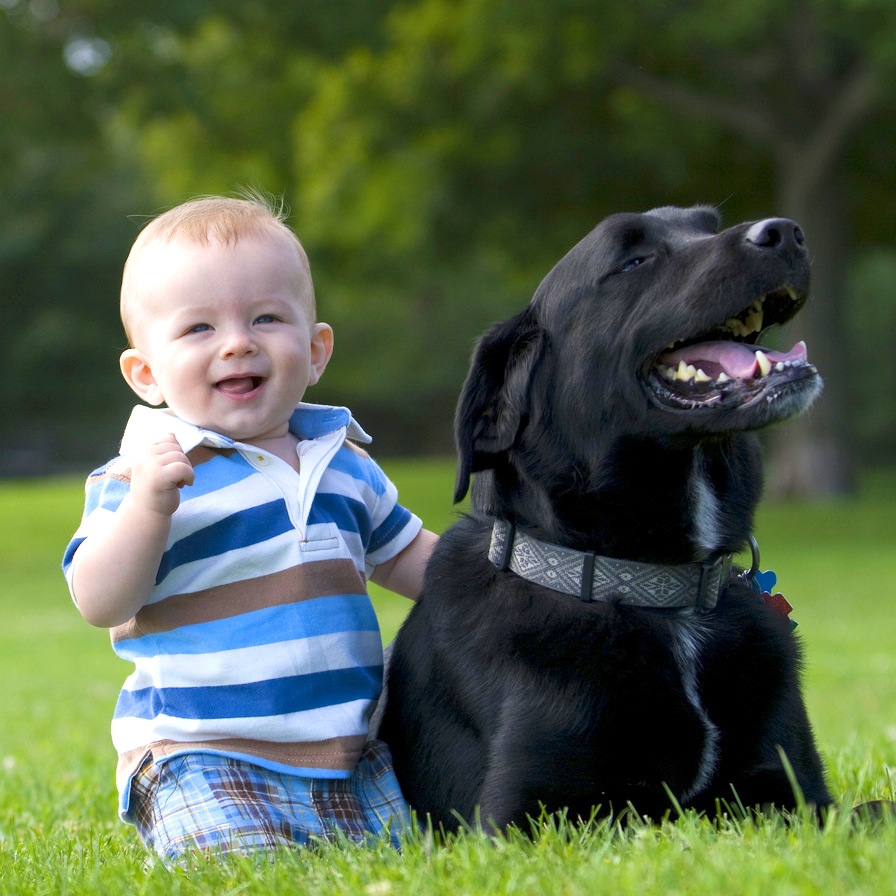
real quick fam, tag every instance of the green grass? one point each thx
(58, 832)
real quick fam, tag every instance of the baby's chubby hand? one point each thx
(158, 473)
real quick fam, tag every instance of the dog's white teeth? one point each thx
(738, 327)
(687, 373)
(764, 363)
(750, 323)
(754, 320)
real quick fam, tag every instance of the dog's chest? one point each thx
(687, 635)
(639, 677)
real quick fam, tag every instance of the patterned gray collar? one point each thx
(592, 578)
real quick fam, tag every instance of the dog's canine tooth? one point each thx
(754, 321)
(765, 365)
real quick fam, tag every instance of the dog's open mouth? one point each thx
(725, 366)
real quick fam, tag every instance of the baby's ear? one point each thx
(138, 375)
(321, 350)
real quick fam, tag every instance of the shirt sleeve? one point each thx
(104, 491)
(393, 527)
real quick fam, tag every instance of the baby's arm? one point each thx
(403, 574)
(114, 569)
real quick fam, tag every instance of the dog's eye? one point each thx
(631, 264)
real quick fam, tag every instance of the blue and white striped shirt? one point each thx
(259, 641)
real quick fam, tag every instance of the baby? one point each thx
(228, 547)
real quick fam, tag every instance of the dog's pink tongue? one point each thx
(736, 360)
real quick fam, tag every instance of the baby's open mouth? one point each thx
(239, 385)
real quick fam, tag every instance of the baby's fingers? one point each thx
(185, 472)
(176, 464)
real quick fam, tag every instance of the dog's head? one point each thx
(648, 328)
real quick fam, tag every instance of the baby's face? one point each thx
(223, 334)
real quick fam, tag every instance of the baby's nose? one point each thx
(238, 342)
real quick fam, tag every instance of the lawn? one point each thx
(58, 832)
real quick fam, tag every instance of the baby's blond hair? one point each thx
(206, 220)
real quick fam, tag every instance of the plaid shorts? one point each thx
(205, 802)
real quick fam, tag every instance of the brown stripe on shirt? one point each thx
(117, 470)
(202, 454)
(319, 578)
(339, 754)
(120, 468)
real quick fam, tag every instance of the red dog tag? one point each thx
(779, 604)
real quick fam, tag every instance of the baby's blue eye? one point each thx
(199, 328)
(265, 319)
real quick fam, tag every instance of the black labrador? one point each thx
(583, 641)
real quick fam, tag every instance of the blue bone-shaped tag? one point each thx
(763, 581)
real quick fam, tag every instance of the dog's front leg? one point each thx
(535, 762)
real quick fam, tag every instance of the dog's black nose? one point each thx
(777, 233)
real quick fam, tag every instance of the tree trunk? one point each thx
(812, 456)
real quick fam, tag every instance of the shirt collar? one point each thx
(308, 422)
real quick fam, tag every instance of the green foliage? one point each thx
(438, 155)
(64, 195)
(871, 314)
(59, 834)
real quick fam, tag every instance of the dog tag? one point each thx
(779, 604)
(763, 582)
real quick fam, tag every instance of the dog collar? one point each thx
(591, 578)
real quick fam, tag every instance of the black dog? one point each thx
(583, 640)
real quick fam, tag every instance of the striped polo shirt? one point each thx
(259, 641)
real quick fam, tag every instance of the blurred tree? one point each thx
(509, 128)
(808, 83)
(454, 166)
(440, 155)
(63, 201)
(100, 99)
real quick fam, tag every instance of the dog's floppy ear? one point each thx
(493, 403)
